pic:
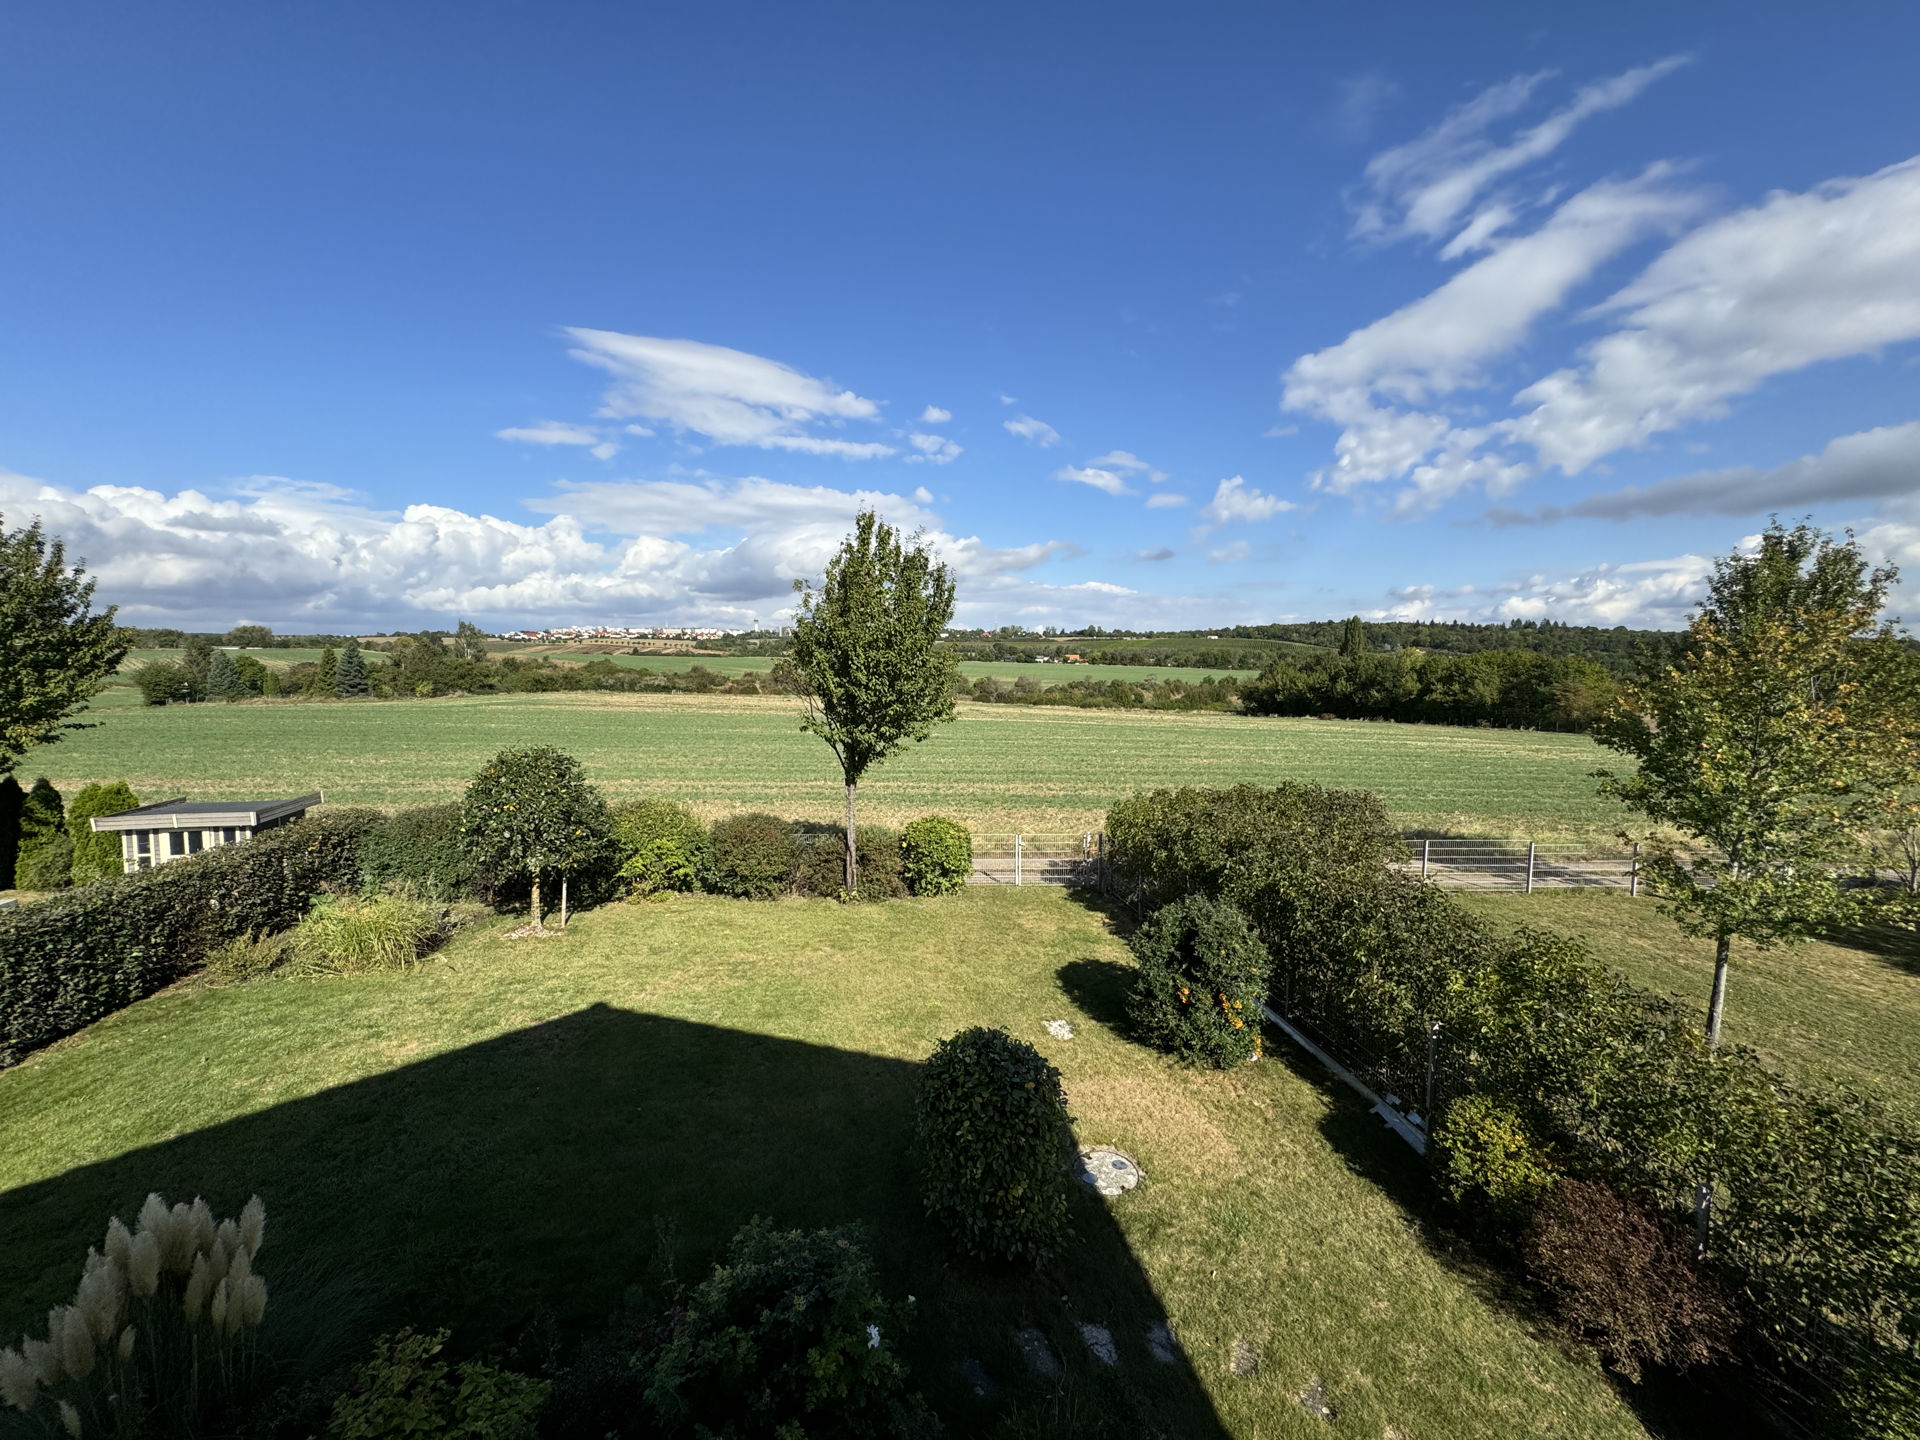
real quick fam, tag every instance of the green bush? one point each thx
(992, 1124)
(405, 1389)
(46, 849)
(788, 1336)
(421, 846)
(162, 682)
(247, 957)
(69, 960)
(753, 856)
(1488, 1163)
(531, 815)
(12, 801)
(663, 846)
(1203, 978)
(936, 855)
(343, 935)
(96, 853)
(820, 865)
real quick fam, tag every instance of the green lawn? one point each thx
(507, 1131)
(1822, 1011)
(999, 767)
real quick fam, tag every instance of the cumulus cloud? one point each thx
(1027, 428)
(1128, 463)
(1099, 479)
(1646, 594)
(1234, 499)
(549, 432)
(933, 449)
(1790, 282)
(1153, 556)
(934, 415)
(1871, 465)
(1425, 186)
(726, 396)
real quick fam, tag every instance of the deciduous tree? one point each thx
(531, 812)
(867, 655)
(57, 652)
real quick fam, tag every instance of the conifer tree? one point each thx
(46, 850)
(350, 680)
(96, 854)
(326, 680)
(223, 678)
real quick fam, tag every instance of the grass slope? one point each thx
(997, 768)
(506, 1132)
(1821, 1010)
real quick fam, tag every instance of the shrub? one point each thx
(531, 813)
(936, 855)
(67, 961)
(422, 846)
(1488, 1162)
(163, 681)
(223, 678)
(992, 1125)
(96, 853)
(12, 800)
(663, 846)
(347, 936)
(787, 1336)
(160, 1338)
(820, 865)
(46, 849)
(1625, 1281)
(753, 856)
(1203, 978)
(404, 1389)
(247, 957)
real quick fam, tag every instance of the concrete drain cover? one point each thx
(1108, 1171)
(1060, 1029)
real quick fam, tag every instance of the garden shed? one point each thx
(174, 829)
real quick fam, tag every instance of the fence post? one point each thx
(1633, 874)
(1530, 847)
(1433, 1045)
(1426, 849)
(1016, 859)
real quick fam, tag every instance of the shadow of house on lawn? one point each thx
(529, 1177)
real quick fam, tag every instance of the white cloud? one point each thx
(727, 396)
(1028, 428)
(549, 432)
(1153, 556)
(605, 450)
(1099, 479)
(1647, 594)
(1129, 463)
(1230, 554)
(1790, 282)
(1425, 186)
(934, 449)
(934, 415)
(1234, 499)
(1871, 465)
(1362, 98)
(1165, 500)
(1008, 400)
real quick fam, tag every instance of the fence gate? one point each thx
(1028, 859)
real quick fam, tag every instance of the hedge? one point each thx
(68, 961)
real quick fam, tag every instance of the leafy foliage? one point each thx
(421, 846)
(1488, 1163)
(753, 856)
(96, 854)
(58, 654)
(821, 862)
(992, 1124)
(46, 849)
(1626, 1282)
(788, 1336)
(663, 846)
(67, 961)
(404, 1388)
(162, 682)
(1520, 689)
(936, 855)
(12, 801)
(532, 811)
(1203, 978)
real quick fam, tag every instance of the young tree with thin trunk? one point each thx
(55, 654)
(867, 654)
(1766, 744)
(533, 813)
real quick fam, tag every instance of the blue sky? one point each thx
(381, 315)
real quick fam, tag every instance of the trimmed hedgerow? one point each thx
(68, 961)
(788, 1335)
(820, 865)
(663, 846)
(421, 845)
(993, 1137)
(1203, 977)
(753, 856)
(936, 855)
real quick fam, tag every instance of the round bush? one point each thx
(994, 1140)
(1203, 977)
(663, 846)
(753, 856)
(821, 861)
(936, 855)
(1488, 1162)
(788, 1335)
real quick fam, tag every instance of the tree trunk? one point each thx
(1716, 1007)
(536, 898)
(563, 900)
(853, 858)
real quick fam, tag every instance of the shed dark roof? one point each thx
(183, 814)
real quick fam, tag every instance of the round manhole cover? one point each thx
(1109, 1171)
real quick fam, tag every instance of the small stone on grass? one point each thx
(1100, 1344)
(1162, 1343)
(1060, 1029)
(1245, 1362)
(1313, 1399)
(1038, 1354)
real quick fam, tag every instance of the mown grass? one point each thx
(1819, 1010)
(997, 768)
(506, 1131)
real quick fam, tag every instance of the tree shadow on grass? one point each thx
(527, 1179)
(1894, 945)
(1099, 989)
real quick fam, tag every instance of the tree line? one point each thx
(1516, 689)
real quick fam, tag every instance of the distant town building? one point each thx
(174, 829)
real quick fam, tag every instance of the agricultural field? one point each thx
(1844, 1010)
(520, 1129)
(998, 768)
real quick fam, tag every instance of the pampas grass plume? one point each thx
(200, 1215)
(19, 1386)
(143, 1264)
(67, 1329)
(198, 1284)
(125, 1348)
(118, 1242)
(44, 1359)
(253, 1226)
(253, 1299)
(70, 1418)
(101, 1296)
(217, 1311)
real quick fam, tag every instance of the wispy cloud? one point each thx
(1153, 556)
(1360, 101)
(1037, 432)
(1099, 479)
(549, 432)
(1165, 500)
(1128, 463)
